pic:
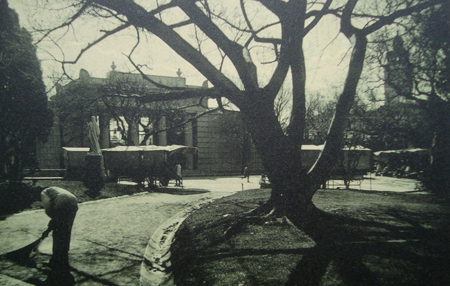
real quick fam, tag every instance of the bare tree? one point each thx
(130, 102)
(319, 114)
(239, 37)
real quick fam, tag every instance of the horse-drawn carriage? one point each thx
(140, 163)
(145, 163)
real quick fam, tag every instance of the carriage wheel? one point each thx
(164, 181)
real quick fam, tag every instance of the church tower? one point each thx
(398, 73)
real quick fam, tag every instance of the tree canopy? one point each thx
(428, 46)
(25, 116)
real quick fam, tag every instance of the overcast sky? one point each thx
(326, 50)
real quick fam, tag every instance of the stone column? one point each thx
(189, 141)
(104, 131)
(162, 136)
(134, 133)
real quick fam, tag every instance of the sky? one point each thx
(326, 51)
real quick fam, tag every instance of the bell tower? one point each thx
(398, 73)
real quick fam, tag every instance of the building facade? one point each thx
(159, 110)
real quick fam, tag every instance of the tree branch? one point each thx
(163, 7)
(296, 127)
(181, 24)
(333, 142)
(383, 21)
(236, 53)
(317, 18)
(191, 119)
(346, 20)
(139, 17)
(67, 23)
(144, 76)
(106, 34)
(275, 6)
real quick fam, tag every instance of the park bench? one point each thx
(337, 181)
(44, 174)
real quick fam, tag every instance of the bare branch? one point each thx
(144, 76)
(181, 24)
(279, 75)
(251, 31)
(106, 34)
(275, 6)
(139, 17)
(191, 119)
(244, 12)
(346, 20)
(236, 53)
(318, 17)
(67, 23)
(274, 41)
(61, 62)
(383, 21)
(161, 8)
(333, 141)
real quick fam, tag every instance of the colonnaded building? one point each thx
(135, 109)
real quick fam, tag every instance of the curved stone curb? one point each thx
(156, 264)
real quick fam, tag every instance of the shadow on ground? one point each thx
(123, 270)
(181, 191)
(404, 249)
(354, 238)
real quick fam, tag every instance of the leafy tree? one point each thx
(425, 48)
(431, 62)
(392, 127)
(280, 27)
(25, 116)
(74, 106)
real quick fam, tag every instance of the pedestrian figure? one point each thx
(263, 181)
(247, 174)
(61, 206)
(179, 175)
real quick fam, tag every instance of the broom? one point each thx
(21, 256)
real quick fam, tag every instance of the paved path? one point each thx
(110, 236)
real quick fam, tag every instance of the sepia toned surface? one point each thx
(250, 84)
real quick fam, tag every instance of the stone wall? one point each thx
(221, 147)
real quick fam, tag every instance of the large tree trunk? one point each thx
(440, 149)
(293, 186)
(292, 190)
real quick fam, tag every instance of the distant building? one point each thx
(223, 144)
(398, 74)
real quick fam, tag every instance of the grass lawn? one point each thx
(362, 238)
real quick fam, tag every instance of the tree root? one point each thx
(271, 213)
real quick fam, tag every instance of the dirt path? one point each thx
(109, 236)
